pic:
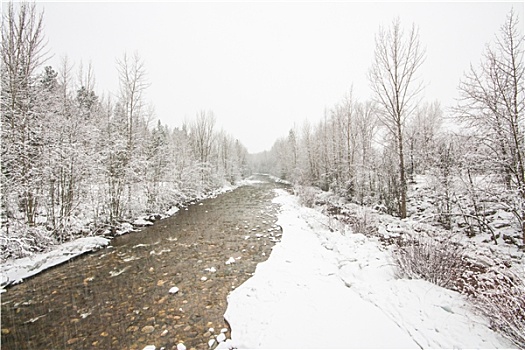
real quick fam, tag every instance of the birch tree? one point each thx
(397, 58)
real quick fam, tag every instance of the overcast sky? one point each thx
(263, 66)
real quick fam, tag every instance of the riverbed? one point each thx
(119, 297)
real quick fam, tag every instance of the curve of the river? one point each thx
(118, 297)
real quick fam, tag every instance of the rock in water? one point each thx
(148, 329)
(221, 337)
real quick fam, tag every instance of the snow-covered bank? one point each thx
(15, 271)
(324, 289)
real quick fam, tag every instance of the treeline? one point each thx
(370, 152)
(75, 162)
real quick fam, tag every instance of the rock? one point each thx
(211, 342)
(221, 337)
(174, 290)
(72, 341)
(132, 329)
(147, 329)
(181, 346)
(142, 222)
(104, 334)
(150, 347)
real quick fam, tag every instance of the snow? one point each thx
(15, 271)
(323, 289)
(172, 211)
(221, 337)
(231, 260)
(141, 222)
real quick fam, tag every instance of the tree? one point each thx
(397, 58)
(22, 52)
(421, 134)
(132, 79)
(493, 103)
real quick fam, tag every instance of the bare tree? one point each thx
(22, 52)
(493, 103)
(132, 78)
(202, 135)
(398, 57)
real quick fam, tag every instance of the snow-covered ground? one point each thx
(324, 289)
(15, 271)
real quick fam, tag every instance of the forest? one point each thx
(469, 159)
(75, 162)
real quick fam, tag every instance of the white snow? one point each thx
(323, 289)
(15, 271)
(221, 337)
(172, 211)
(231, 260)
(142, 222)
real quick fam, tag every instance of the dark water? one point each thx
(117, 298)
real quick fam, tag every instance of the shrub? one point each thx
(502, 300)
(440, 260)
(306, 194)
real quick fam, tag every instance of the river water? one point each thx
(118, 297)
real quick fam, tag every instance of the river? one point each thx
(118, 297)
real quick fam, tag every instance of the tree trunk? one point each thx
(402, 175)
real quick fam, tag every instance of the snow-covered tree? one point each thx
(398, 57)
(22, 51)
(492, 105)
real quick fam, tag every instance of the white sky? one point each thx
(263, 66)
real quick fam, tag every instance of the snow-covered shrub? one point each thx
(502, 300)
(21, 241)
(440, 260)
(307, 195)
